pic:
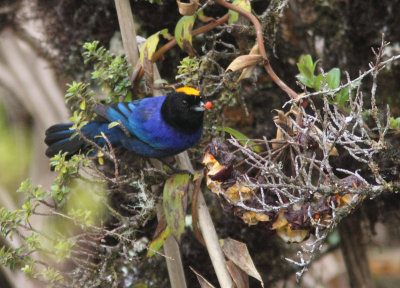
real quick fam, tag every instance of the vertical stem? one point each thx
(353, 249)
(174, 261)
(127, 27)
(174, 264)
(208, 230)
(214, 249)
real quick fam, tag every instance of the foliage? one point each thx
(233, 15)
(67, 169)
(183, 31)
(111, 72)
(188, 71)
(243, 139)
(330, 80)
(175, 195)
(394, 123)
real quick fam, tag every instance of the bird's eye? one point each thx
(185, 103)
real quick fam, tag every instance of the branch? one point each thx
(195, 32)
(261, 47)
(127, 27)
(138, 72)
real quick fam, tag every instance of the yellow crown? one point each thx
(188, 90)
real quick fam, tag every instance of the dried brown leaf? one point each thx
(244, 61)
(203, 282)
(282, 119)
(334, 151)
(237, 252)
(238, 275)
(248, 72)
(187, 9)
(214, 186)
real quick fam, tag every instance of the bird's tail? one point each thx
(58, 138)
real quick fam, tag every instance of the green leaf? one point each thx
(342, 97)
(82, 106)
(319, 80)
(150, 45)
(243, 139)
(233, 15)
(394, 123)
(63, 249)
(175, 202)
(306, 67)
(25, 186)
(113, 124)
(183, 30)
(158, 241)
(304, 80)
(333, 78)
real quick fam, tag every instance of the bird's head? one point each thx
(183, 109)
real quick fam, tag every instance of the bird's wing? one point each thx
(148, 124)
(141, 118)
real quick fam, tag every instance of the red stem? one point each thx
(253, 19)
(195, 32)
(261, 46)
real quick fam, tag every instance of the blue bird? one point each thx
(153, 127)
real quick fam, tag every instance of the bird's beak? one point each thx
(202, 107)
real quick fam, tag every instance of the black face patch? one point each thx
(177, 112)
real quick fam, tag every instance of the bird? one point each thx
(154, 127)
